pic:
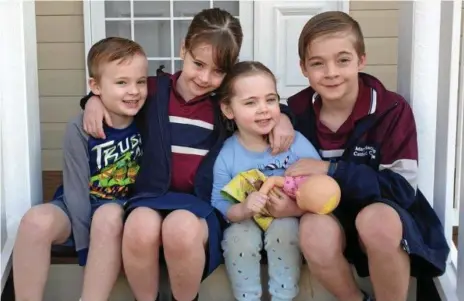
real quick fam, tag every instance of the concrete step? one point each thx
(65, 282)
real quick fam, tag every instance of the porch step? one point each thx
(65, 282)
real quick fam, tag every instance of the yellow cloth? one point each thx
(241, 186)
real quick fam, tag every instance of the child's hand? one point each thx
(281, 205)
(281, 137)
(93, 117)
(256, 203)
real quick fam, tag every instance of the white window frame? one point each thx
(20, 154)
(94, 27)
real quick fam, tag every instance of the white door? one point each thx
(159, 26)
(277, 26)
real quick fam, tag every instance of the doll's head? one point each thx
(318, 194)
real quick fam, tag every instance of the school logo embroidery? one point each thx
(363, 151)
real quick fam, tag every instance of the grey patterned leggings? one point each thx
(242, 245)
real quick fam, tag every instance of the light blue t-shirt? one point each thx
(234, 159)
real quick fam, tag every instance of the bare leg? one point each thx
(40, 227)
(184, 240)
(380, 230)
(104, 259)
(322, 242)
(140, 252)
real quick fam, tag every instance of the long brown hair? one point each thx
(221, 30)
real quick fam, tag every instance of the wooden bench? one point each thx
(66, 276)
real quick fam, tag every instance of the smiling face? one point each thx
(122, 85)
(200, 75)
(254, 105)
(332, 64)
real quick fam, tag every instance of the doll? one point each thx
(318, 194)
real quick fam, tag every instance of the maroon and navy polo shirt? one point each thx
(332, 143)
(191, 134)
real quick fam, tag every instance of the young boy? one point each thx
(97, 174)
(366, 136)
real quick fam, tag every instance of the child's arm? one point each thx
(76, 175)
(270, 183)
(95, 113)
(222, 176)
(396, 178)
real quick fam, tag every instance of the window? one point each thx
(159, 26)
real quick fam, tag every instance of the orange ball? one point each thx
(318, 194)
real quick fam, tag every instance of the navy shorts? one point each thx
(95, 204)
(427, 259)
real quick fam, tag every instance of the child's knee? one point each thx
(379, 227)
(42, 222)
(282, 233)
(242, 238)
(321, 238)
(107, 220)
(142, 229)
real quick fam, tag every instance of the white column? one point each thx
(418, 56)
(448, 166)
(19, 117)
(428, 62)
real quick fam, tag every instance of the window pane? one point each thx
(180, 31)
(178, 65)
(151, 9)
(189, 8)
(154, 36)
(117, 9)
(231, 6)
(118, 29)
(153, 65)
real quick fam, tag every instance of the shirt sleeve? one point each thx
(76, 173)
(222, 177)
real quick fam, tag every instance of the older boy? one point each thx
(97, 174)
(366, 136)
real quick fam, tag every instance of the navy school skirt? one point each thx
(171, 201)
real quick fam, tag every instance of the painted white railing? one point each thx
(21, 177)
(429, 49)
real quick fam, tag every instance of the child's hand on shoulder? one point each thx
(282, 136)
(94, 114)
(307, 167)
(255, 203)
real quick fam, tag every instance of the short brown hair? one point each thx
(221, 30)
(327, 23)
(111, 49)
(226, 90)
